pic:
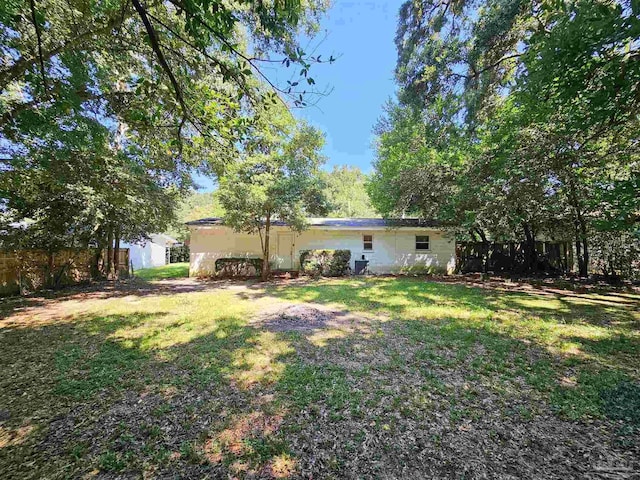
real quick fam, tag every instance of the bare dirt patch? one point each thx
(307, 317)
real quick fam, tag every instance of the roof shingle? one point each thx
(342, 222)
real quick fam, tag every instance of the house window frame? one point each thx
(428, 242)
(365, 242)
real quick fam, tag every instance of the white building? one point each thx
(150, 253)
(389, 245)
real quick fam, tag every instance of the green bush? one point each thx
(326, 263)
(179, 254)
(238, 267)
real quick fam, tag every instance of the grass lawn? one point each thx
(344, 378)
(173, 270)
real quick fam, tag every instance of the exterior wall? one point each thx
(146, 255)
(393, 249)
(207, 244)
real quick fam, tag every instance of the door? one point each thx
(285, 251)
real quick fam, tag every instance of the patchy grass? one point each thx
(173, 270)
(420, 379)
(593, 338)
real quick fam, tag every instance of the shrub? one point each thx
(326, 263)
(179, 254)
(238, 267)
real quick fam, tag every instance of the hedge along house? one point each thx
(389, 245)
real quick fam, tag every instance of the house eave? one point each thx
(341, 224)
(333, 229)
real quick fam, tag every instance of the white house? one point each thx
(151, 252)
(389, 245)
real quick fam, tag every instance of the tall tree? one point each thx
(346, 193)
(194, 206)
(107, 107)
(544, 97)
(278, 183)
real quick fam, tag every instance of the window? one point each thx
(422, 242)
(368, 242)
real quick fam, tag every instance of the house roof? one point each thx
(346, 223)
(163, 238)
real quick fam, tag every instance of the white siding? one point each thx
(146, 255)
(393, 249)
(210, 243)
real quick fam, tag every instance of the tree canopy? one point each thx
(345, 190)
(194, 206)
(515, 119)
(106, 108)
(278, 181)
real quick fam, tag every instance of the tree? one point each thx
(346, 193)
(278, 183)
(152, 54)
(194, 206)
(107, 107)
(538, 102)
(77, 190)
(415, 166)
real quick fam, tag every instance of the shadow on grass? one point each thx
(114, 392)
(161, 394)
(396, 295)
(593, 328)
(438, 392)
(135, 287)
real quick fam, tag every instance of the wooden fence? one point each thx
(26, 271)
(511, 257)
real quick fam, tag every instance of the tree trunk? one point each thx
(265, 249)
(485, 250)
(581, 226)
(109, 271)
(96, 272)
(585, 255)
(530, 248)
(116, 253)
(578, 253)
(581, 233)
(613, 269)
(527, 246)
(50, 273)
(582, 249)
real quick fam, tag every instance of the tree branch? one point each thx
(155, 45)
(275, 88)
(32, 5)
(83, 94)
(7, 75)
(477, 73)
(224, 68)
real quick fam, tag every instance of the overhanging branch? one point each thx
(32, 5)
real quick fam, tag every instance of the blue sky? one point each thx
(360, 35)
